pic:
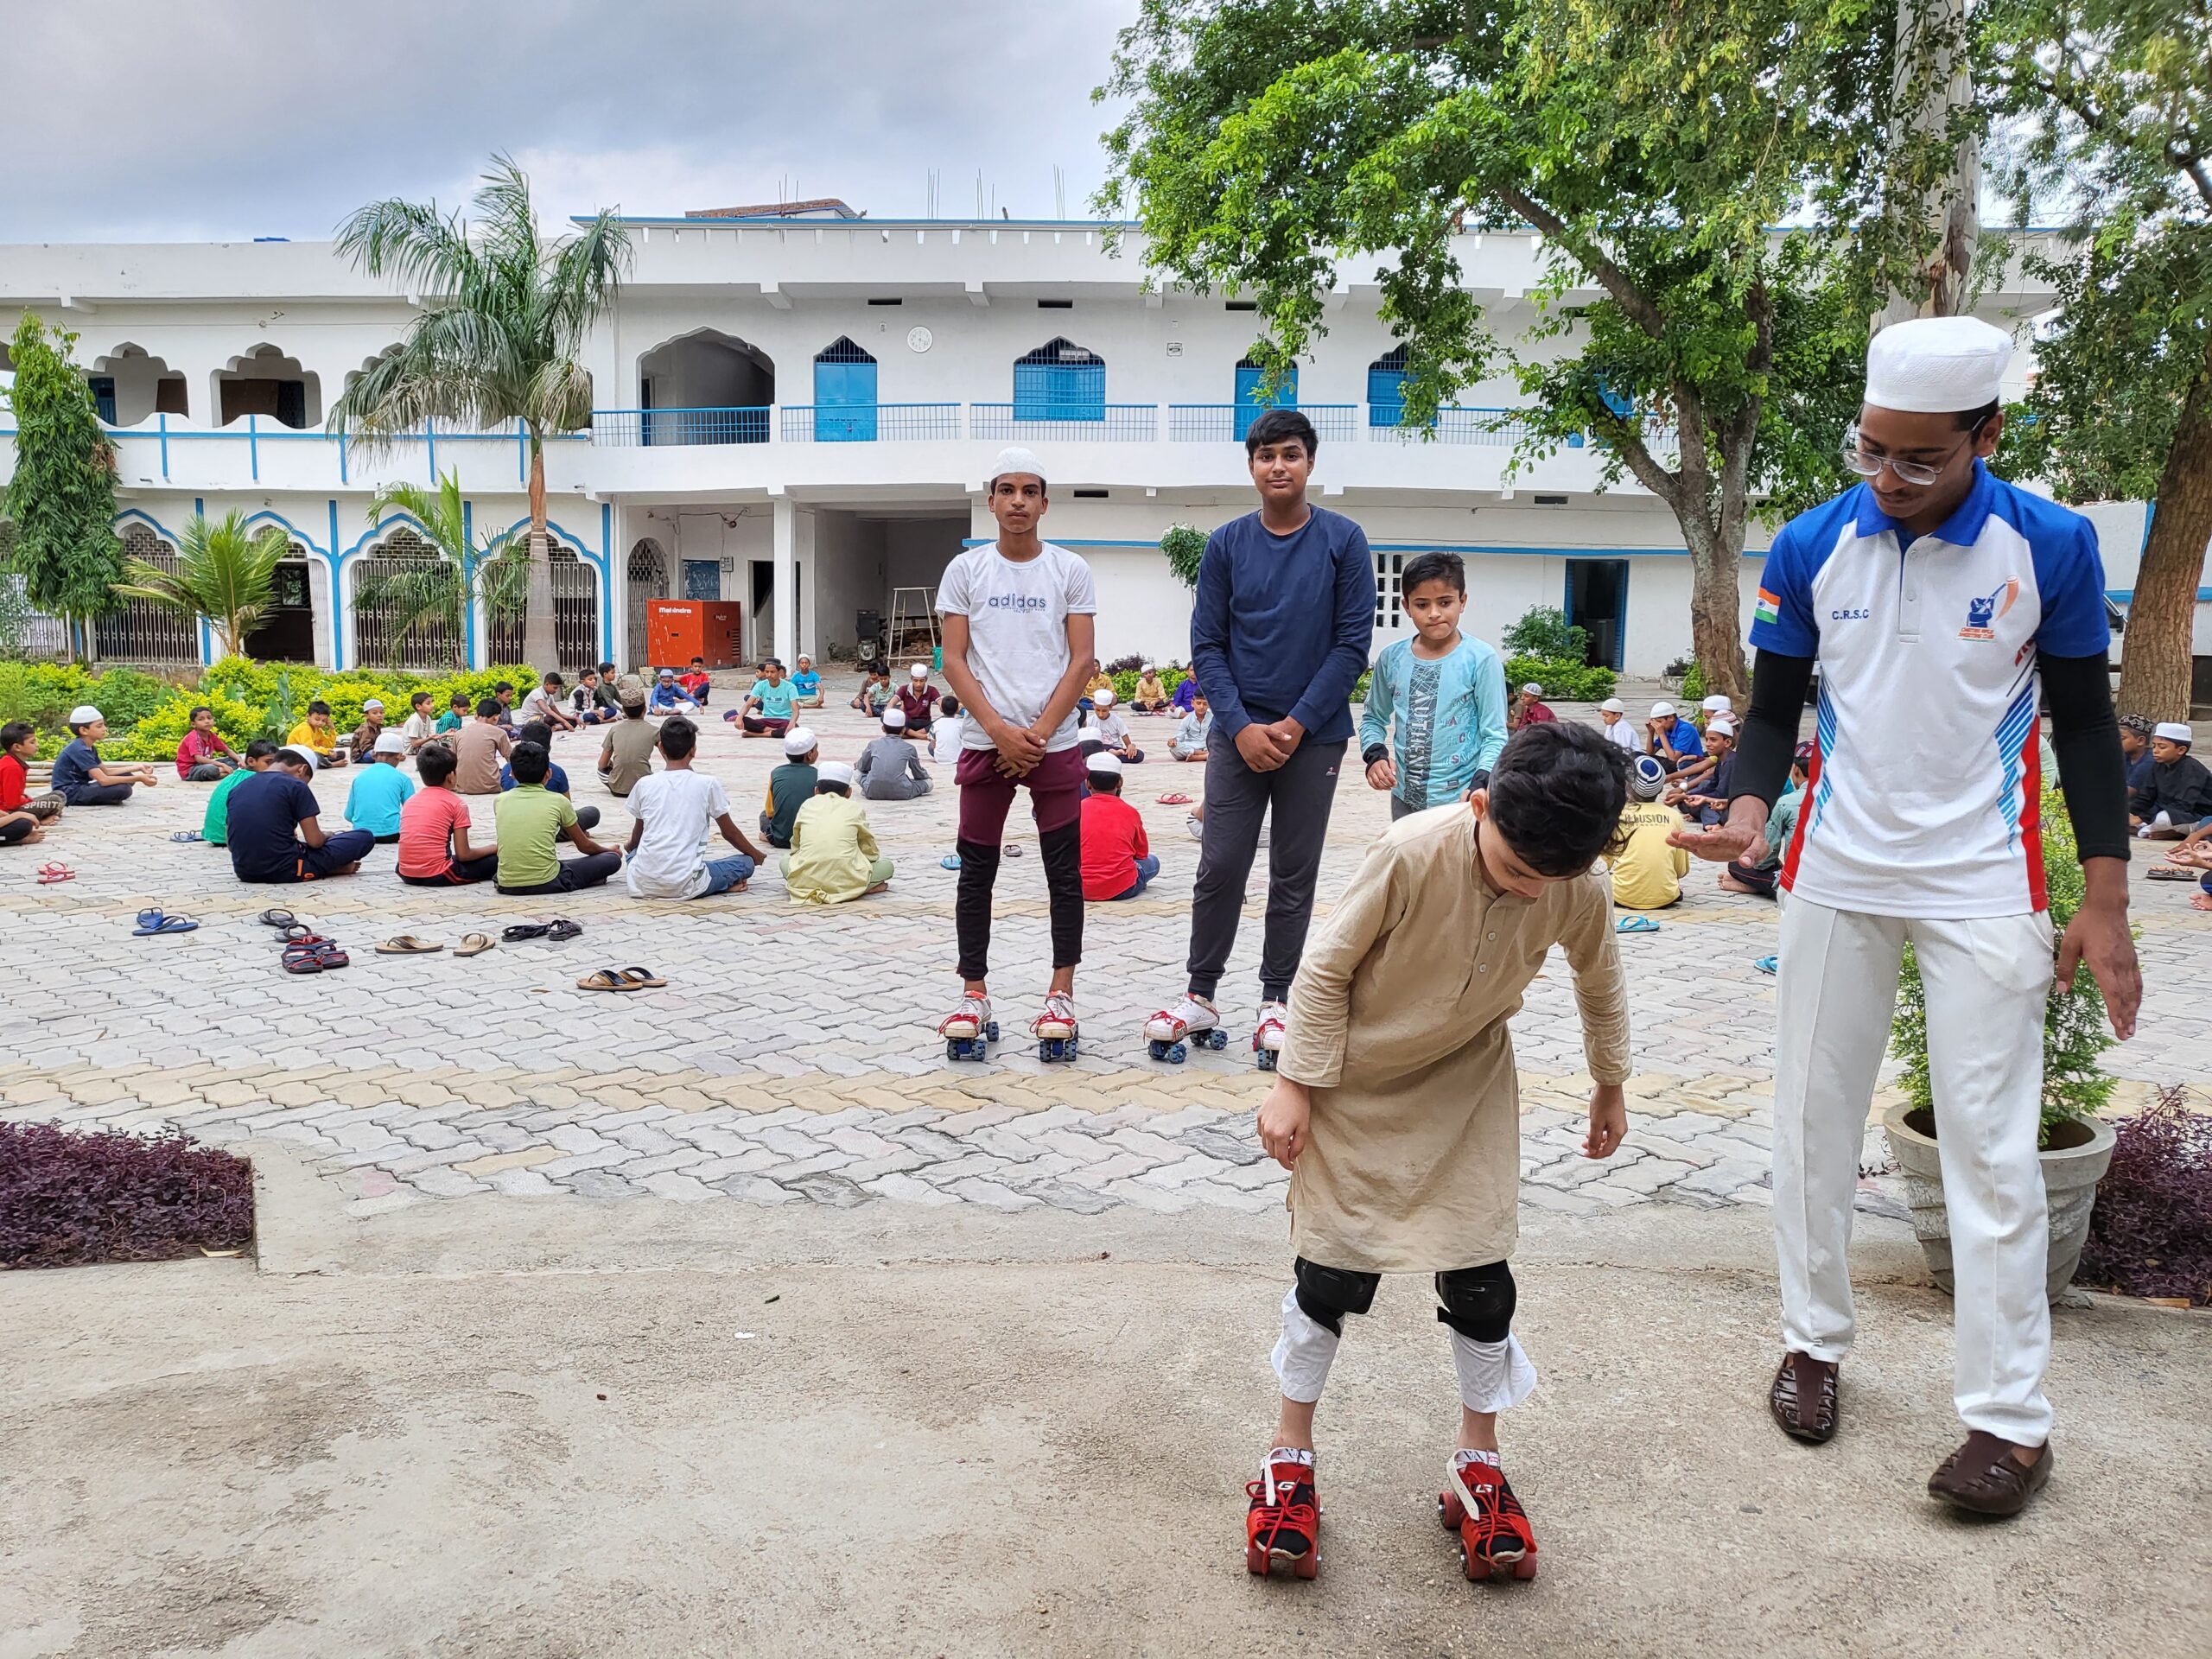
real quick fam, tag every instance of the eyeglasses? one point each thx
(1908, 472)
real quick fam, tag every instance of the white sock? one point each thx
(1303, 1353)
(1461, 1458)
(1493, 1376)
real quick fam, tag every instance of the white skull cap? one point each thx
(1937, 366)
(797, 741)
(1016, 459)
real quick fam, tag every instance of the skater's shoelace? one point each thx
(1492, 1502)
(1297, 1517)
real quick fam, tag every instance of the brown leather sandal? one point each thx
(1804, 1398)
(1983, 1475)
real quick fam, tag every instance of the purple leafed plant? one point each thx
(2151, 1234)
(67, 1199)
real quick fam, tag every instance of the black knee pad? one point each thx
(1327, 1294)
(1478, 1301)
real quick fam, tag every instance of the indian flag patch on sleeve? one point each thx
(1769, 608)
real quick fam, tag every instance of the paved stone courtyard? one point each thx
(792, 1058)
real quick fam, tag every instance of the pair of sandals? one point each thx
(153, 922)
(621, 979)
(559, 930)
(406, 945)
(305, 951)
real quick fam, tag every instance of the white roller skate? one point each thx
(967, 1027)
(1055, 1028)
(1267, 1034)
(1193, 1019)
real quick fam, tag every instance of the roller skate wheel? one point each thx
(1174, 1054)
(1217, 1039)
(991, 1030)
(1255, 1560)
(1267, 1059)
(1449, 1514)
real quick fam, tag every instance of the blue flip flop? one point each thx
(949, 861)
(186, 835)
(1636, 924)
(151, 922)
(1768, 964)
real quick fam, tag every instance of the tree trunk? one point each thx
(1716, 606)
(1950, 211)
(537, 637)
(2154, 678)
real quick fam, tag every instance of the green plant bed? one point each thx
(1567, 681)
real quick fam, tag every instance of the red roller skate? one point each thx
(1494, 1532)
(1284, 1522)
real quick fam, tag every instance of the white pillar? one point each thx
(783, 554)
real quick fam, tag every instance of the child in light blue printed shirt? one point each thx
(1446, 691)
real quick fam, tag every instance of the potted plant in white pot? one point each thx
(2076, 1145)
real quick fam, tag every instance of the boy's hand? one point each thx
(1730, 840)
(1382, 774)
(1608, 1121)
(1284, 1116)
(1257, 745)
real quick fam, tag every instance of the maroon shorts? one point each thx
(1055, 788)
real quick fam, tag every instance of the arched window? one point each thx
(1060, 381)
(1249, 399)
(844, 394)
(1386, 389)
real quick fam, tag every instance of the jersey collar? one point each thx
(1961, 529)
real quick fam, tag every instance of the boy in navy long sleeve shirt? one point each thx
(1284, 616)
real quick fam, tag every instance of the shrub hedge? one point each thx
(1568, 682)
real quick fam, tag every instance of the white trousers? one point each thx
(1986, 982)
(1493, 1376)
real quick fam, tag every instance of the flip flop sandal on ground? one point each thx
(151, 922)
(296, 933)
(1010, 850)
(277, 919)
(563, 929)
(407, 945)
(523, 931)
(330, 954)
(50, 874)
(1173, 800)
(643, 977)
(949, 861)
(1768, 964)
(187, 834)
(302, 959)
(2173, 873)
(1636, 924)
(474, 945)
(606, 980)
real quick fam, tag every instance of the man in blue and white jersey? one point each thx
(1936, 599)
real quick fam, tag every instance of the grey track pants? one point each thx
(1299, 794)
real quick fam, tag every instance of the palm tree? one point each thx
(225, 572)
(434, 596)
(505, 316)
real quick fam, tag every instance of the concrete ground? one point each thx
(712, 1430)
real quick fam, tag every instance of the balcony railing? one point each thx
(1029, 422)
(653, 428)
(869, 422)
(1227, 423)
(1502, 428)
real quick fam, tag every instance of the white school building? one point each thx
(795, 409)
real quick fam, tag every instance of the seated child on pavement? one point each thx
(203, 757)
(275, 828)
(1117, 860)
(834, 859)
(316, 737)
(1647, 872)
(381, 789)
(1111, 730)
(789, 786)
(215, 826)
(18, 748)
(1759, 871)
(1151, 697)
(557, 777)
(81, 777)
(948, 732)
(917, 700)
(531, 822)
(769, 706)
(806, 684)
(1192, 731)
(674, 809)
(888, 769)
(669, 697)
(435, 850)
(694, 680)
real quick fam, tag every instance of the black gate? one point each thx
(140, 631)
(648, 579)
(576, 617)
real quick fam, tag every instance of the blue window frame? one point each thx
(1060, 381)
(103, 388)
(1386, 389)
(844, 394)
(1249, 401)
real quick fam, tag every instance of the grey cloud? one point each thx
(154, 120)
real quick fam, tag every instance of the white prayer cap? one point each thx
(834, 771)
(895, 719)
(1662, 710)
(1937, 365)
(297, 758)
(1102, 697)
(1102, 761)
(1149, 668)
(1015, 458)
(390, 743)
(799, 741)
(919, 670)
(376, 703)
(1718, 703)
(1613, 706)
(1721, 726)
(1532, 690)
(2173, 731)
(84, 715)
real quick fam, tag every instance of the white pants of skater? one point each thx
(1493, 1376)
(1986, 982)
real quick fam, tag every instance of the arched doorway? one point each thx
(265, 382)
(705, 387)
(407, 606)
(1060, 381)
(287, 632)
(646, 578)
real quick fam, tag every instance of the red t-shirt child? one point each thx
(694, 681)
(426, 825)
(1113, 841)
(198, 746)
(14, 779)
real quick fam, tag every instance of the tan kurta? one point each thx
(1397, 1025)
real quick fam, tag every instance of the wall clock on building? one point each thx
(919, 339)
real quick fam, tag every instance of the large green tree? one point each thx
(2110, 106)
(63, 495)
(1270, 145)
(506, 311)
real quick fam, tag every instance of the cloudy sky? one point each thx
(160, 120)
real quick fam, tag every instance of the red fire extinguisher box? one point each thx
(677, 630)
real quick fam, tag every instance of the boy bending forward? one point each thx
(1396, 1111)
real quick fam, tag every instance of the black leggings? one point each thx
(16, 829)
(1060, 851)
(1299, 792)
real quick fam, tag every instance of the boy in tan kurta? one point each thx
(1397, 1111)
